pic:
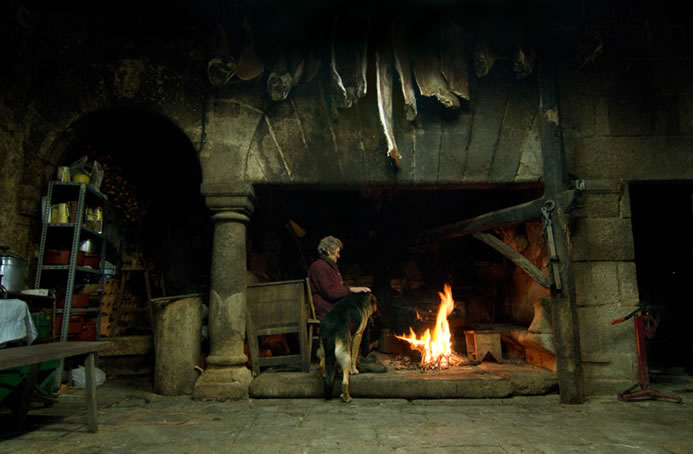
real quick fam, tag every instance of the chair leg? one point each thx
(253, 348)
(310, 343)
(305, 351)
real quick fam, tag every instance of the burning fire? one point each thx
(436, 347)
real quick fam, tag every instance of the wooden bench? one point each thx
(33, 355)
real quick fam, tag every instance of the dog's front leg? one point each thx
(355, 346)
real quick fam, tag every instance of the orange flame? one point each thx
(436, 347)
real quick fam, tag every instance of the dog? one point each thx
(340, 339)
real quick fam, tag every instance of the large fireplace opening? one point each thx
(382, 230)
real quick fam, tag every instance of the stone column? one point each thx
(227, 376)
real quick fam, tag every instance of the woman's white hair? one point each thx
(329, 244)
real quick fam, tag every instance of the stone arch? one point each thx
(57, 105)
(155, 201)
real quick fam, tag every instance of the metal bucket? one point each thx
(12, 270)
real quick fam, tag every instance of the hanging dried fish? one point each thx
(484, 58)
(523, 62)
(348, 62)
(279, 81)
(297, 66)
(311, 67)
(249, 65)
(220, 70)
(403, 67)
(453, 64)
(429, 78)
(384, 92)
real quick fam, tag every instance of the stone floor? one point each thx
(132, 419)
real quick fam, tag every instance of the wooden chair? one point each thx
(312, 322)
(279, 308)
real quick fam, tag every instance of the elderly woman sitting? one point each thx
(326, 281)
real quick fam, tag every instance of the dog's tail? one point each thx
(330, 369)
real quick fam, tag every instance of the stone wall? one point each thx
(305, 140)
(620, 126)
(14, 228)
(37, 140)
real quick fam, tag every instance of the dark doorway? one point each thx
(152, 178)
(662, 216)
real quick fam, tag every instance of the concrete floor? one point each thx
(132, 419)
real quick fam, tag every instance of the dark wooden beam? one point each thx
(556, 182)
(506, 216)
(515, 257)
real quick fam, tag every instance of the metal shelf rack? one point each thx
(85, 196)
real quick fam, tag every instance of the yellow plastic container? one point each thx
(80, 178)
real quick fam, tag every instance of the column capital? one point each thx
(238, 197)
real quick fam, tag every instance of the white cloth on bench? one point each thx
(15, 322)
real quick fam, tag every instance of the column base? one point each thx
(223, 383)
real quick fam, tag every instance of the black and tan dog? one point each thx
(340, 339)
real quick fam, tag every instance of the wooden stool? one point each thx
(481, 343)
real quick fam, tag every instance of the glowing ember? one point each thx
(436, 347)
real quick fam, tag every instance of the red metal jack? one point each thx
(645, 326)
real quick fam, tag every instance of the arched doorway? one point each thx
(155, 216)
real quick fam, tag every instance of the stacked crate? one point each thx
(110, 293)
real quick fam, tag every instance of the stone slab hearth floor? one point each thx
(485, 380)
(132, 419)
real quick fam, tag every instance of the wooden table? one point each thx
(33, 355)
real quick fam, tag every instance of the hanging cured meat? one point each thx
(425, 58)
(484, 58)
(383, 67)
(403, 67)
(349, 60)
(453, 62)
(249, 65)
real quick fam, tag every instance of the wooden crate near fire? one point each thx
(481, 343)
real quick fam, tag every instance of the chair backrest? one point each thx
(277, 308)
(309, 298)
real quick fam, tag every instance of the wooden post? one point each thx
(556, 182)
(90, 392)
